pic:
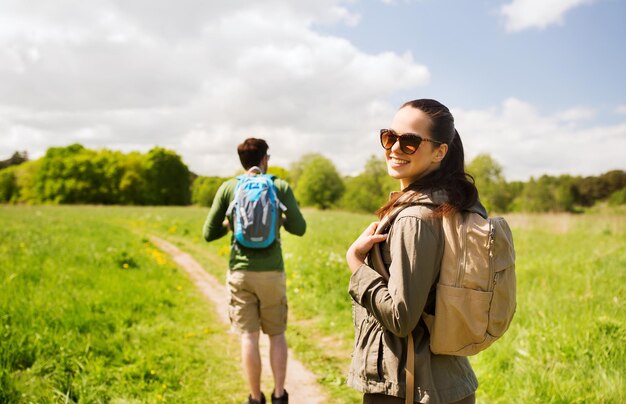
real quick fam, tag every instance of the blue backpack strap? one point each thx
(274, 191)
(231, 205)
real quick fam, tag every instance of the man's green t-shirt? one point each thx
(249, 259)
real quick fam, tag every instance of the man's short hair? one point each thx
(251, 152)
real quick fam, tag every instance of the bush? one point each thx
(8, 184)
(167, 178)
(74, 174)
(319, 185)
(370, 190)
(618, 198)
(203, 190)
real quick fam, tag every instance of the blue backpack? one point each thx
(256, 211)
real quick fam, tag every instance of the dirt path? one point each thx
(301, 383)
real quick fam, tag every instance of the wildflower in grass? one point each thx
(179, 288)
(172, 229)
(125, 265)
(158, 256)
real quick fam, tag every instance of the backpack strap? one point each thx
(271, 178)
(376, 260)
(410, 370)
(407, 199)
(231, 205)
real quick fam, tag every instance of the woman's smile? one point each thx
(395, 161)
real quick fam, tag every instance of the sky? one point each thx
(537, 84)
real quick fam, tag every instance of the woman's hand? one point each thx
(360, 248)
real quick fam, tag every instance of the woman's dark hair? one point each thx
(251, 152)
(451, 176)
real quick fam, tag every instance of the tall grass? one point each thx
(566, 344)
(568, 339)
(317, 280)
(91, 312)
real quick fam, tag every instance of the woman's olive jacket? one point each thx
(385, 313)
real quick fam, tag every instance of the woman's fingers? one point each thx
(360, 248)
(378, 238)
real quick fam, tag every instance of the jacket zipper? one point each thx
(461, 273)
(492, 239)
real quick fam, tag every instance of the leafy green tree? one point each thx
(167, 178)
(280, 172)
(536, 196)
(16, 159)
(564, 194)
(296, 169)
(26, 181)
(590, 189)
(492, 187)
(132, 184)
(618, 198)
(203, 190)
(67, 175)
(369, 190)
(8, 184)
(547, 194)
(515, 190)
(108, 172)
(319, 184)
(615, 180)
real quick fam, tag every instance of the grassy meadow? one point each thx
(91, 312)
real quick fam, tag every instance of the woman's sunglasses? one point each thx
(409, 142)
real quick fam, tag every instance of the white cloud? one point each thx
(524, 14)
(620, 109)
(202, 77)
(198, 78)
(528, 143)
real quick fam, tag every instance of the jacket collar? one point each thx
(434, 198)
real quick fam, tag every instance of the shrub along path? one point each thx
(301, 383)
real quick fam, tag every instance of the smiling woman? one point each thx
(423, 150)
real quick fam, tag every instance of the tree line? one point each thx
(74, 174)
(317, 183)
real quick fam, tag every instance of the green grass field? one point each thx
(91, 312)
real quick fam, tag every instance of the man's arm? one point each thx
(214, 227)
(294, 222)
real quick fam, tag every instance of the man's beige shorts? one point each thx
(258, 300)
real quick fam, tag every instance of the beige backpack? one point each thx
(475, 296)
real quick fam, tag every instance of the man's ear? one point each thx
(265, 162)
(440, 153)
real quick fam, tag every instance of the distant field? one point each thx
(66, 269)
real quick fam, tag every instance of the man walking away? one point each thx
(255, 205)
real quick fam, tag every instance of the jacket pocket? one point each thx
(373, 354)
(367, 347)
(391, 354)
